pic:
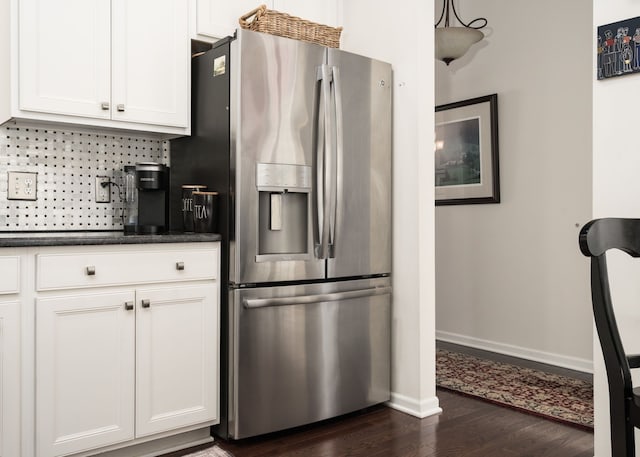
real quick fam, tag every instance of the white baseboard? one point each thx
(418, 408)
(572, 363)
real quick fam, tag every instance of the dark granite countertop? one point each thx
(74, 238)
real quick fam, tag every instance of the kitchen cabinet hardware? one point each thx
(105, 106)
(91, 270)
(120, 107)
(180, 266)
(128, 305)
(146, 303)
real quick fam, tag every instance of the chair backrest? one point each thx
(596, 238)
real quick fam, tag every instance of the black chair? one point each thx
(596, 238)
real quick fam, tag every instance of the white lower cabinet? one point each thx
(116, 366)
(85, 366)
(9, 378)
(176, 357)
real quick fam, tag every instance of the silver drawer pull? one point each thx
(104, 106)
(120, 107)
(91, 270)
(180, 266)
(146, 303)
(128, 305)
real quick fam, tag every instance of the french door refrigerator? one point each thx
(296, 140)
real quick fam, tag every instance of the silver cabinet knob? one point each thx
(120, 107)
(105, 106)
(180, 266)
(146, 303)
(90, 270)
(128, 305)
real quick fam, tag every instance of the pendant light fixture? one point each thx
(453, 42)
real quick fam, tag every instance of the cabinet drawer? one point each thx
(10, 277)
(95, 269)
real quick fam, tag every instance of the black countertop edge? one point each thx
(29, 239)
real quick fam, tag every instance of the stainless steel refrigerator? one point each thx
(296, 139)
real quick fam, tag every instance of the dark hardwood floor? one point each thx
(466, 428)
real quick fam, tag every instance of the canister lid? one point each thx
(205, 193)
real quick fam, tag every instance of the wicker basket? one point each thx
(281, 24)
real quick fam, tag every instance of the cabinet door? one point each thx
(9, 380)
(65, 54)
(177, 357)
(85, 371)
(324, 12)
(219, 18)
(151, 62)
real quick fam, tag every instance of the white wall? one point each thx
(509, 276)
(616, 187)
(380, 30)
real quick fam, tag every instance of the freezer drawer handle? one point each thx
(308, 299)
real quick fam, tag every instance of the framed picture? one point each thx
(466, 152)
(618, 51)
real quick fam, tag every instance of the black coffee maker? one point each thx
(151, 204)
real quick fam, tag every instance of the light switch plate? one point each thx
(22, 185)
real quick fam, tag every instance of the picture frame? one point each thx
(618, 48)
(466, 152)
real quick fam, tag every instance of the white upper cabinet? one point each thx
(65, 57)
(150, 62)
(112, 63)
(219, 18)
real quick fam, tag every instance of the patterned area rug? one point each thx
(546, 395)
(214, 451)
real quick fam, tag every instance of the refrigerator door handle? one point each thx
(336, 188)
(252, 303)
(320, 140)
(329, 160)
(325, 162)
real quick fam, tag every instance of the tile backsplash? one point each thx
(67, 161)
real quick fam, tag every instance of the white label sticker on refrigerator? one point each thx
(219, 65)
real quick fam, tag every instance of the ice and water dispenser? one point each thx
(283, 206)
